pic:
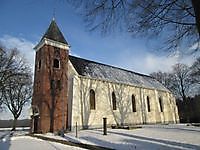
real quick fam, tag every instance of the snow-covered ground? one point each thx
(22, 142)
(150, 137)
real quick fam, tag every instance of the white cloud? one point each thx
(23, 45)
(195, 46)
(155, 63)
(145, 62)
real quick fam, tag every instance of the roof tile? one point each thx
(102, 71)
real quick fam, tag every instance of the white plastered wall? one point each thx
(80, 113)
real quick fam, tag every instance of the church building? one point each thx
(70, 91)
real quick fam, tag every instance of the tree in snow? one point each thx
(16, 83)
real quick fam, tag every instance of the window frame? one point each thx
(92, 100)
(161, 104)
(133, 103)
(114, 102)
(148, 104)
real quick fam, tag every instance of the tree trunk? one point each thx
(14, 124)
(196, 6)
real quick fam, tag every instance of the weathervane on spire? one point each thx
(54, 11)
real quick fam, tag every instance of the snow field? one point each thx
(150, 137)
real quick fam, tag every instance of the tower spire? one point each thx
(53, 36)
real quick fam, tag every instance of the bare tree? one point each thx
(178, 81)
(17, 95)
(6, 68)
(196, 71)
(195, 76)
(11, 66)
(180, 19)
(16, 86)
(181, 80)
(163, 77)
(2, 60)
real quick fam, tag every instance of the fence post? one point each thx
(76, 130)
(104, 126)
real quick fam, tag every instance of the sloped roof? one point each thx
(54, 33)
(102, 71)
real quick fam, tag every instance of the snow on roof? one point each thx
(102, 71)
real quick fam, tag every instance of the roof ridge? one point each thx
(112, 66)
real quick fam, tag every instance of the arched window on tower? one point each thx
(161, 104)
(133, 103)
(148, 104)
(114, 101)
(92, 99)
(56, 63)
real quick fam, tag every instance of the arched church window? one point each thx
(114, 101)
(92, 99)
(148, 104)
(133, 103)
(56, 63)
(161, 104)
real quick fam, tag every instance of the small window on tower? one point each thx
(39, 64)
(59, 85)
(52, 84)
(56, 63)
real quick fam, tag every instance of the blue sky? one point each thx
(23, 22)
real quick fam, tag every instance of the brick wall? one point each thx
(50, 88)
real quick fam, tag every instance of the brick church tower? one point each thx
(49, 102)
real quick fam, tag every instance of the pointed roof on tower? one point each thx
(54, 37)
(54, 33)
